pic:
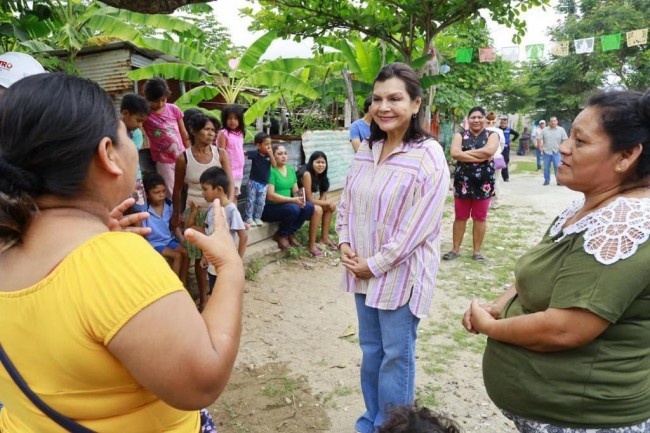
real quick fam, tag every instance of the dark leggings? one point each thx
(290, 215)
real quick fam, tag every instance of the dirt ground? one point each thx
(297, 369)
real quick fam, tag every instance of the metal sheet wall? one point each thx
(108, 69)
(336, 145)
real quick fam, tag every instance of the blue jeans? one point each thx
(538, 157)
(548, 160)
(387, 340)
(290, 215)
(255, 200)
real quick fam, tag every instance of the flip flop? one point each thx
(331, 245)
(316, 252)
(450, 256)
(478, 257)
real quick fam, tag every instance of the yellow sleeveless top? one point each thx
(56, 333)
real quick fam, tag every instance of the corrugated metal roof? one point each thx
(336, 145)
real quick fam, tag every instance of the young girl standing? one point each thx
(231, 138)
(164, 127)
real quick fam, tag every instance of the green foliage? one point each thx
(560, 87)
(312, 122)
(406, 25)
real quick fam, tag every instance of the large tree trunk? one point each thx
(151, 6)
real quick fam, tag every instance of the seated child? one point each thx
(134, 110)
(261, 161)
(215, 185)
(414, 419)
(161, 237)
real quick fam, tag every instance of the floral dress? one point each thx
(474, 180)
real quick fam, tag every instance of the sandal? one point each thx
(479, 257)
(331, 245)
(451, 255)
(282, 241)
(293, 241)
(316, 252)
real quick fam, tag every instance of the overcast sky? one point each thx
(227, 12)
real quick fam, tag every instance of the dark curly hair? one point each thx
(415, 419)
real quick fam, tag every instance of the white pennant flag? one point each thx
(584, 46)
(510, 54)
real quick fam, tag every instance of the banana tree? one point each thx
(276, 77)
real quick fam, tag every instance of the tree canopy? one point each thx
(406, 25)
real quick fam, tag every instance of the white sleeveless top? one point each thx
(193, 172)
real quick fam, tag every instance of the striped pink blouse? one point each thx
(391, 213)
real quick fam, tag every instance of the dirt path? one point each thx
(297, 370)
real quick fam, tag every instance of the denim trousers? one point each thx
(548, 160)
(290, 215)
(256, 196)
(387, 340)
(538, 158)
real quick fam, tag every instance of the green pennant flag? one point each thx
(535, 52)
(611, 42)
(464, 55)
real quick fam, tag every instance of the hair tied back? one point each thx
(15, 180)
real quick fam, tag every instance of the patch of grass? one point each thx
(342, 391)
(523, 167)
(253, 269)
(426, 396)
(282, 389)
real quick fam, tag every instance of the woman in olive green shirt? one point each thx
(569, 342)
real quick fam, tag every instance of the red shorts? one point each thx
(477, 208)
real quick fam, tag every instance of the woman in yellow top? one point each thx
(94, 321)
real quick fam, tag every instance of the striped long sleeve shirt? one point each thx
(391, 213)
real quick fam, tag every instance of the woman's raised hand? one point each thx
(119, 222)
(218, 248)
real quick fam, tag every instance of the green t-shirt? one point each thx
(283, 184)
(605, 383)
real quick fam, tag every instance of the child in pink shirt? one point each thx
(231, 138)
(165, 130)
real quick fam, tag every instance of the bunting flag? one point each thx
(510, 54)
(584, 46)
(560, 49)
(464, 55)
(486, 55)
(610, 42)
(637, 37)
(535, 52)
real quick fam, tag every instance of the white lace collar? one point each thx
(613, 232)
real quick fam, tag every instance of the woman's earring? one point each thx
(618, 169)
(415, 115)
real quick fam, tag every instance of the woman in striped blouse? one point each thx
(389, 235)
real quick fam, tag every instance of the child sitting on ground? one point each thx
(161, 237)
(215, 185)
(134, 110)
(261, 161)
(414, 419)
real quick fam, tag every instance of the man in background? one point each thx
(510, 135)
(551, 138)
(360, 129)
